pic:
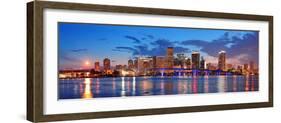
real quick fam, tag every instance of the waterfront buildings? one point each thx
(169, 65)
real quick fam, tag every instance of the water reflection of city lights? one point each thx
(134, 86)
(87, 90)
(221, 83)
(206, 84)
(247, 83)
(123, 91)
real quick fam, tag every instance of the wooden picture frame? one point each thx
(35, 60)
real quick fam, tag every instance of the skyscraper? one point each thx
(170, 57)
(130, 64)
(97, 66)
(246, 67)
(180, 60)
(202, 63)
(160, 62)
(154, 61)
(136, 63)
(188, 63)
(195, 58)
(209, 66)
(222, 60)
(252, 66)
(144, 64)
(106, 64)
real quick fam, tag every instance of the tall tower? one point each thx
(195, 59)
(222, 60)
(188, 63)
(97, 66)
(136, 63)
(252, 66)
(170, 57)
(130, 64)
(106, 64)
(202, 63)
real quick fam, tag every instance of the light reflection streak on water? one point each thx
(128, 85)
(194, 84)
(123, 91)
(182, 86)
(134, 86)
(189, 86)
(113, 86)
(162, 86)
(97, 85)
(247, 83)
(206, 84)
(87, 90)
(234, 83)
(146, 86)
(252, 84)
(221, 83)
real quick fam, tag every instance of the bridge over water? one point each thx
(188, 71)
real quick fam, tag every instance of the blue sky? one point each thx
(80, 42)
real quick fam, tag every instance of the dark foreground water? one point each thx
(143, 86)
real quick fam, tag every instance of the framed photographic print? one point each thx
(96, 61)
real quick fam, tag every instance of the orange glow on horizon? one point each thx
(87, 63)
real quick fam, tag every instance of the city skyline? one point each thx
(83, 45)
(163, 66)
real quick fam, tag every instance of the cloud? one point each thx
(150, 36)
(136, 40)
(240, 48)
(79, 50)
(68, 58)
(126, 49)
(163, 43)
(156, 48)
(234, 45)
(72, 58)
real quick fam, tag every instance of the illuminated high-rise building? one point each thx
(170, 57)
(195, 59)
(252, 66)
(180, 60)
(246, 67)
(239, 69)
(130, 64)
(202, 63)
(106, 64)
(188, 63)
(144, 65)
(229, 66)
(97, 66)
(136, 63)
(160, 62)
(222, 61)
(154, 61)
(209, 66)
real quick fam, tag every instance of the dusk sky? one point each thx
(79, 43)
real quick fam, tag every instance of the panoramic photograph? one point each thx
(105, 60)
